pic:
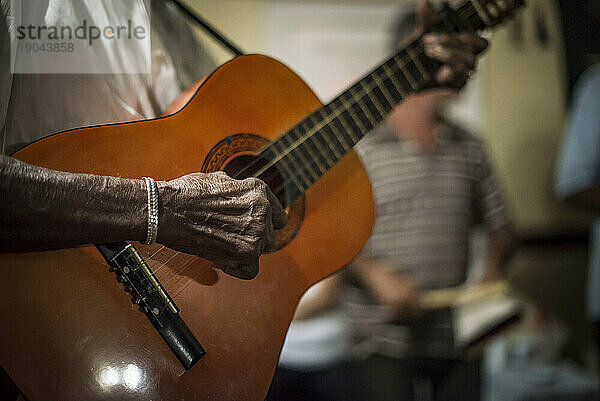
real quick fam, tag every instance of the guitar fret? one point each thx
(392, 89)
(319, 160)
(385, 105)
(334, 136)
(361, 106)
(303, 160)
(319, 144)
(417, 63)
(337, 134)
(364, 120)
(347, 128)
(402, 65)
(414, 72)
(348, 118)
(373, 101)
(399, 88)
(343, 127)
(281, 156)
(306, 151)
(402, 78)
(353, 116)
(378, 106)
(281, 162)
(321, 150)
(384, 90)
(312, 155)
(330, 144)
(381, 93)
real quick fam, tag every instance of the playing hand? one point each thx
(230, 222)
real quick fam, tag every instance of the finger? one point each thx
(460, 39)
(249, 271)
(447, 76)
(269, 243)
(278, 214)
(461, 61)
(242, 271)
(458, 53)
(455, 57)
(220, 174)
(425, 15)
(448, 49)
(456, 70)
(464, 42)
(476, 42)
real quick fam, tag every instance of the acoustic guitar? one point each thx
(190, 332)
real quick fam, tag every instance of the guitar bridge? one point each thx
(152, 299)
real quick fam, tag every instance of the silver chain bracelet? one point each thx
(152, 191)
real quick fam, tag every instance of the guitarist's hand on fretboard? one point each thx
(457, 52)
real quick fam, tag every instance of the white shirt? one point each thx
(36, 105)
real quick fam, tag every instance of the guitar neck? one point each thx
(317, 143)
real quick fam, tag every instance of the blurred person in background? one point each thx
(433, 183)
(317, 360)
(578, 174)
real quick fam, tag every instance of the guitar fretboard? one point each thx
(317, 143)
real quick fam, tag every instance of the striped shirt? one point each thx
(426, 206)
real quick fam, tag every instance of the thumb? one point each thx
(425, 15)
(249, 271)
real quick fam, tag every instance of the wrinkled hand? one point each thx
(457, 52)
(230, 222)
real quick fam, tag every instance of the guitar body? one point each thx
(69, 330)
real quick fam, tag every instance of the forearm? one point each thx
(397, 291)
(501, 247)
(47, 209)
(369, 271)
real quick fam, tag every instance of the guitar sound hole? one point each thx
(245, 166)
(234, 155)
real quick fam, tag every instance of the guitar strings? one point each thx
(465, 15)
(359, 95)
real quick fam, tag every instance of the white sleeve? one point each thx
(6, 77)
